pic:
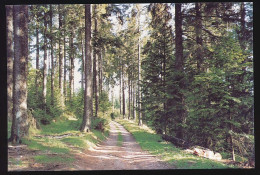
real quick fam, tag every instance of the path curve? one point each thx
(109, 156)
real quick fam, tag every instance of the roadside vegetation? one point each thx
(154, 144)
(56, 143)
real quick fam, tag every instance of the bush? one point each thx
(112, 115)
(99, 123)
(41, 116)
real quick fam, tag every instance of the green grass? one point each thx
(61, 127)
(53, 159)
(55, 150)
(154, 144)
(119, 139)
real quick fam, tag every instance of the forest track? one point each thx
(109, 156)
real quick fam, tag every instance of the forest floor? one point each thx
(114, 153)
(127, 147)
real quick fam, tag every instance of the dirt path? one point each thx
(109, 156)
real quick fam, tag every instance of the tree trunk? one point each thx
(71, 77)
(179, 63)
(95, 63)
(52, 59)
(129, 98)
(44, 89)
(112, 96)
(100, 71)
(65, 71)
(88, 112)
(61, 55)
(123, 89)
(133, 97)
(198, 32)
(19, 123)
(120, 90)
(82, 64)
(140, 122)
(37, 56)
(10, 56)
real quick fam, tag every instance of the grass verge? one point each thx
(153, 143)
(53, 150)
(119, 139)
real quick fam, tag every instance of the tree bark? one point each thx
(123, 89)
(140, 122)
(37, 55)
(198, 32)
(179, 63)
(65, 71)
(44, 89)
(88, 95)
(19, 123)
(71, 77)
(52, 59)
(133, 97)
(61, 55)
(10, 55)
(100, 70)
(129, 98)
(95, 63)
(120, 90)
(82, 64)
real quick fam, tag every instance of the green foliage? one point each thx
(99, 123)
(76, 105)
(104, 103)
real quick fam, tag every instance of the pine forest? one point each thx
(153, 86)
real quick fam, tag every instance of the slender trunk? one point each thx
(120, 90)
(129, 98)
(44, 91)
(82, 64)
(19, 123)
(37, 56)
(179, 62)
(139, 88)
(123, 89)
(102, 54)
(61, 55)
(112, 95)
(95, 63)
(65, 71)
(140, 122)
(133, 97)
(10, 55)
(88, 95)
(71, 79)
(198, 32)
(52, 59)
(100, 71)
